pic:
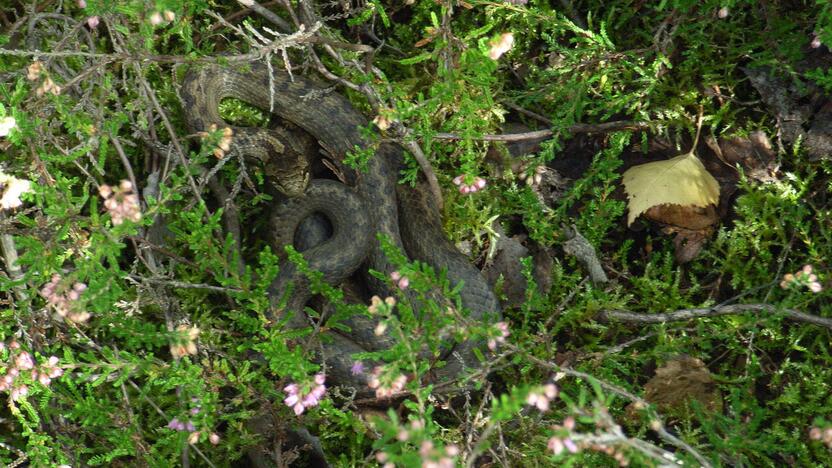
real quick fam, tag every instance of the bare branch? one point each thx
(687, 314)
(605, 127)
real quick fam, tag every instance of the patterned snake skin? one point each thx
(331, 119)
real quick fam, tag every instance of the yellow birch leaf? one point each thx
(682, 180)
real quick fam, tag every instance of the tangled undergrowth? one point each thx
(130, 336)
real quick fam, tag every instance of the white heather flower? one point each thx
(6, 124)
(501, 45)
(815, 42)
(12, 191)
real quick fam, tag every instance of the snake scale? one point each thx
(373, 205)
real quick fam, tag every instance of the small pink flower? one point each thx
(214, 438)
(298, 409)
(93, 21)
(503, 333)
(723, 13)
(555, 445)
(291, 400)
(82, 3)
(538, 400)
(24, 361)
(815, 42)
(357, 368)
(176, 425)
(19, 392)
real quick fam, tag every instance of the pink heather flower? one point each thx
(503, 332)
(291, 400)
(538, 400)
(551, 391)
(501, 45)
(723, 13)
(189, 426)
(815, 42)
(65, 303)
(555, 445)
(386, 391)
(570, 446)
(569, 423)
(24, 361)
(19, 392)
(122, 203)
(804, 277)
(92, 22)
(82, 3)
(815, 433)
(401, 281)
(298, 401)
(479, 184)
(298, 408)
(176, 425)
(214, 438)
(156, 18)
(357, 368)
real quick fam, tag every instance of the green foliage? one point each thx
(133, 367)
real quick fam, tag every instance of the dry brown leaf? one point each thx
(682, 180)
(679, 382)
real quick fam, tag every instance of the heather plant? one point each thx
(135, 324)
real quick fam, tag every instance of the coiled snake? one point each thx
(331, 119)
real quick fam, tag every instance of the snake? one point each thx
(372, 205)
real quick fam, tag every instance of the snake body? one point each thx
(330, 118)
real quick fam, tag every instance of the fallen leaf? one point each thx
(679, 382)
(682, 180)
